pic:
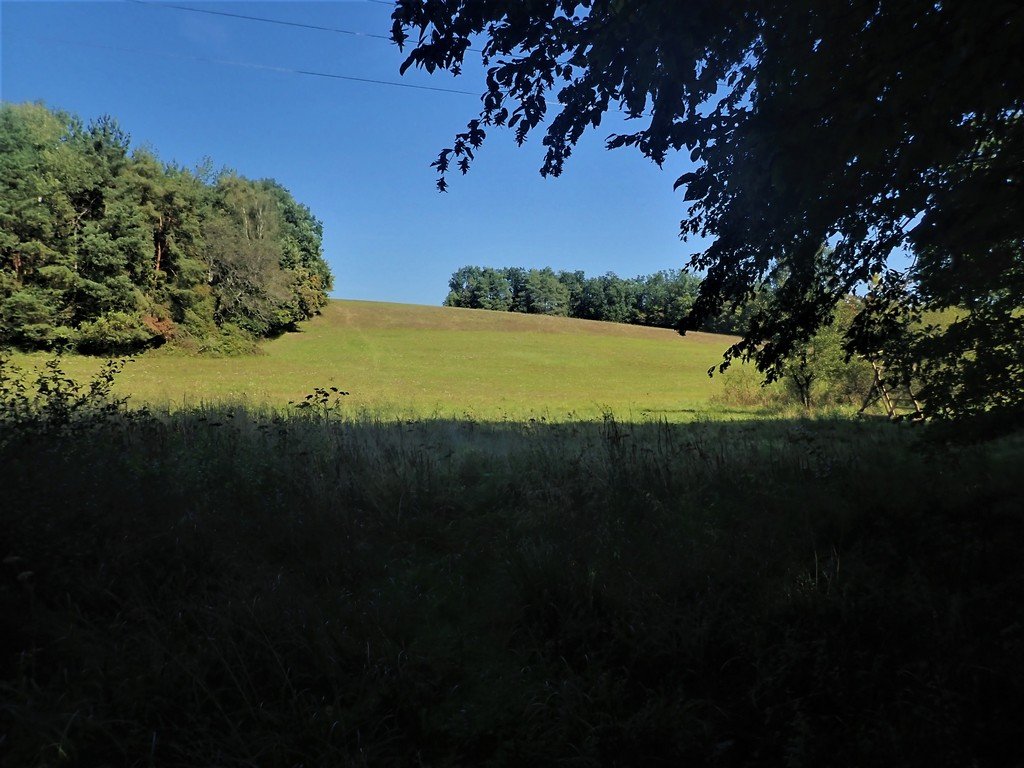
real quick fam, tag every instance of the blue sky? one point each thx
(357, 154)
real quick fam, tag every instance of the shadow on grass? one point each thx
(229, 587)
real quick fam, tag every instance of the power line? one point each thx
(263, 19)
(281, 22)
(250, 65)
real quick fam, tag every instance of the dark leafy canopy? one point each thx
(871, 125)
(107, 250)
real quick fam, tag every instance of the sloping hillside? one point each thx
(423, 361)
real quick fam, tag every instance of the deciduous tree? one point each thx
(878, 126)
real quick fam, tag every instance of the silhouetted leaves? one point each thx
(876, 127)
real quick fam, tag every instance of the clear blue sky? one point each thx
(357, 154)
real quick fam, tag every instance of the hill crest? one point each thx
(380, 314)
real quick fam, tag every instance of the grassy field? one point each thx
(247, 585)
(437, 361)
(226, 588)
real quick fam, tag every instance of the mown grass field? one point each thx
(420, 361)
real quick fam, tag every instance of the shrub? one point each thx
(52, 400)
(743, 386)
(115, 332)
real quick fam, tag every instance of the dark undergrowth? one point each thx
(230, 588)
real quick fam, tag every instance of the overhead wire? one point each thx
(251, 65)
(281, 22)
(265, 20)
(266, 67)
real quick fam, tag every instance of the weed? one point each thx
(322, 401)
(53, 400)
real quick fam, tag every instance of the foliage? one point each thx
(878, 127)
(106, 250)
(819, 373)
(543, 294)
(479, 288)
(970, 248)
(113, 332)
(54, 401)
(322, 401)
(743, 386)
(659, 300)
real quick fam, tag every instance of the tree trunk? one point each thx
(158, 242)
(882, 391)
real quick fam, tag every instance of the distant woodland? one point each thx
(662, 299)
(106, 249)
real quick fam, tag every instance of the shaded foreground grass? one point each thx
(229, 588)
(416, 362)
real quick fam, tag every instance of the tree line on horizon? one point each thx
(105, 249)
(822, 371)
(661, 300)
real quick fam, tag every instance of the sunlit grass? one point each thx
(409, 361)
(256, 585)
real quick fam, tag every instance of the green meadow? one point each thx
(550, 559)
(443, 362)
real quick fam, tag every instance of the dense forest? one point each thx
(661, 299)
(106, 249)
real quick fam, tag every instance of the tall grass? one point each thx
(229, 586)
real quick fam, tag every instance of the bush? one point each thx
(115, 332)
(231, 341)
(743, 386)
(52, 400)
